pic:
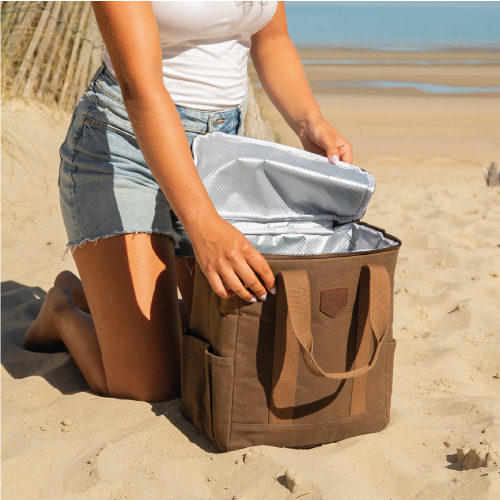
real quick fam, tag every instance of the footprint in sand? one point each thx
(254, 474)
(457, 319)
(437, 259)
(81, 474)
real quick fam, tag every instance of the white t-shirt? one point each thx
(205, 49)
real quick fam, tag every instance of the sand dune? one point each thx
(60, 441)
(33, 235)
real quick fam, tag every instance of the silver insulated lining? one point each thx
(349, 237)
(284, 200)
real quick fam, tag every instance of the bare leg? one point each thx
(60, 323)
(185, 282)
(42, 335)
(75, 285)
(130, 286)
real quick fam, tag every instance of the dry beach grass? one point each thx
(60, 441)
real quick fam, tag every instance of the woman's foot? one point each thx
(42, 335)
(75, 285)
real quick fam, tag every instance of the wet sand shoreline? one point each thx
(325, 53)
(404, 122)
(370, 65)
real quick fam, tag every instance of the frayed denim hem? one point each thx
(71, 247)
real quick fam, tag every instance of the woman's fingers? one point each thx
(260, 266)
(333, 154)
(341, 150)
(251, 281)
(231, 264)
(345, 152)
(235, 284)
(218, 287)
(241, 278)
(323, 135)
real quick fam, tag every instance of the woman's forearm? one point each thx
(284, 80)
(282, 76)
(162, 139)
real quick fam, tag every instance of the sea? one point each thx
(401, 26)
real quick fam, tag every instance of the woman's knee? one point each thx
(98, 387)
(149, 388)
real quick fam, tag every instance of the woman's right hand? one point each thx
(230, 262)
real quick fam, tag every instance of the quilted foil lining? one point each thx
(349, 237)
(284, 200)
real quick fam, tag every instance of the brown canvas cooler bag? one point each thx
(313, 364)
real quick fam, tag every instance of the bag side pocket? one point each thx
(195, 383)
(389, 371)
(221, 372)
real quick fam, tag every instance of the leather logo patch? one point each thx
(333, 301)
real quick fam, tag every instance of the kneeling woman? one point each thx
(134, 207)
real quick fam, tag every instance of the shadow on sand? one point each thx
(20, 306)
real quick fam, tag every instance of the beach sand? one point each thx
(60, 441)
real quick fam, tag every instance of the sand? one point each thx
(405, 123)
(60, 441)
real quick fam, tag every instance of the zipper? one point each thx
(303, 218)
(278, 231)
(278, 256)
(396, 247)
(273, 231)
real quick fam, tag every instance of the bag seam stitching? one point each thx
(234, 372)
(392, 343)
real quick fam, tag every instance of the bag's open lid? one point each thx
(248, 179)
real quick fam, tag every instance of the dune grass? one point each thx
(50, 50)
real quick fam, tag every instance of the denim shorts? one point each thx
(105, 186)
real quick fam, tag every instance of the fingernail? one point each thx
(263, 297)
(253, 300)
(273, 290)
(335, 159)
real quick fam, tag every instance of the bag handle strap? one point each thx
(293, 332)
(298, 297)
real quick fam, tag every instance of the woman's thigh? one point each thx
(131, 289)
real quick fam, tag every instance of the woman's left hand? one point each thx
(319, 137)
